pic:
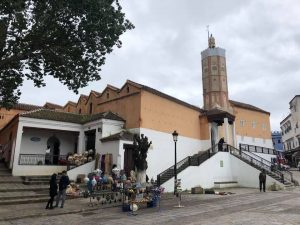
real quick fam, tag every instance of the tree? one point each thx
(140, 150)
(66, 39)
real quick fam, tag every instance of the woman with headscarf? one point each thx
(52, 191)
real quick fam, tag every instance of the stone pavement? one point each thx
(246, 207)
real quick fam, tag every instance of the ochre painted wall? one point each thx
(127, 107)
(164, 115)
(249, 116)
(7, 115)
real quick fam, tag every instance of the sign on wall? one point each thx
(35, 139)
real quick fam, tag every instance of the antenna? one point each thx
(207, 28)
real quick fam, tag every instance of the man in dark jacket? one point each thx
(63, 184)
(262, 180)
(52, 191)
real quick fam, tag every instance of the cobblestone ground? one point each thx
(248, 208)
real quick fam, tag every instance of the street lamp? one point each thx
(175, 137)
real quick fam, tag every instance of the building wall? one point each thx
(267, 143)
(7, 115)
(163, 115)
(8, 140)
(256, 124)
(36, 170)
(277, 140)
(290, 126)
(222, 167)
(67, 141)
(128, 107)
(161, 154)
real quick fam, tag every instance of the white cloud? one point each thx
(261, 39)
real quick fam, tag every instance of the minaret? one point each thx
(214, 77)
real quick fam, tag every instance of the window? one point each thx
(107, 95)
(1, 116)
(242, 123)
(279, 141)
(79, 111)
(91, 108)
(68, 108)
(127, 89)
(253, 124)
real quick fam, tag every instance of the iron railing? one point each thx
(261, 163)
(258, 149)
(40, 159)
(194, 160)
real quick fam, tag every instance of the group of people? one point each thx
(58, 190)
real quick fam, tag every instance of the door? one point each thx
(128, 159)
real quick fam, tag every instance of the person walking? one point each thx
(52, 191)
(262, 180)
(63, 184)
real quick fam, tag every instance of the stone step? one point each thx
(29, 200)
(10, 181)
(22, 195)
(37, 189)
(24, 201)
(36, 182)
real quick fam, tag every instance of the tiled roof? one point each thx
(26, 107)
(47, 114)
(49, 105)
(247, 106)
(163, 95)
(70, 103)
(123, 135)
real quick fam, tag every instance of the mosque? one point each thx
(106, 121)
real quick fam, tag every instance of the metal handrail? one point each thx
(37, 159)
(263, 164)
(258, 149)
(184, 163)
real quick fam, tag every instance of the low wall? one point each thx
(36, 170)
(83, 169)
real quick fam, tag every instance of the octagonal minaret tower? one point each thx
(214, 77)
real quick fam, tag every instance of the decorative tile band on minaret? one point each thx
(214, 77)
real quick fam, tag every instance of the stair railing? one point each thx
(194, 160)
(261, 164)
(258, 149)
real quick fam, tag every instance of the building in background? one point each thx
(277, 140)
(290, 125)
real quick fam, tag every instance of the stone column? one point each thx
(233, 135)
(226, 130)
(81, 142)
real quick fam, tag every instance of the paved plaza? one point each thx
(245, 207)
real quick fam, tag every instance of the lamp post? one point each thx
(175, 137)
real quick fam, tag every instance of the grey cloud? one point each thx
(261, 39)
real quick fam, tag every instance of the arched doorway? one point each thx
(53, 143)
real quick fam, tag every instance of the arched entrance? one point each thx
(53, 143)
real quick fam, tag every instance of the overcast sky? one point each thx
(261, 38)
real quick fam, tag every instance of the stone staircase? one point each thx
(14, 191)
(260, 163)
(194, 160)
